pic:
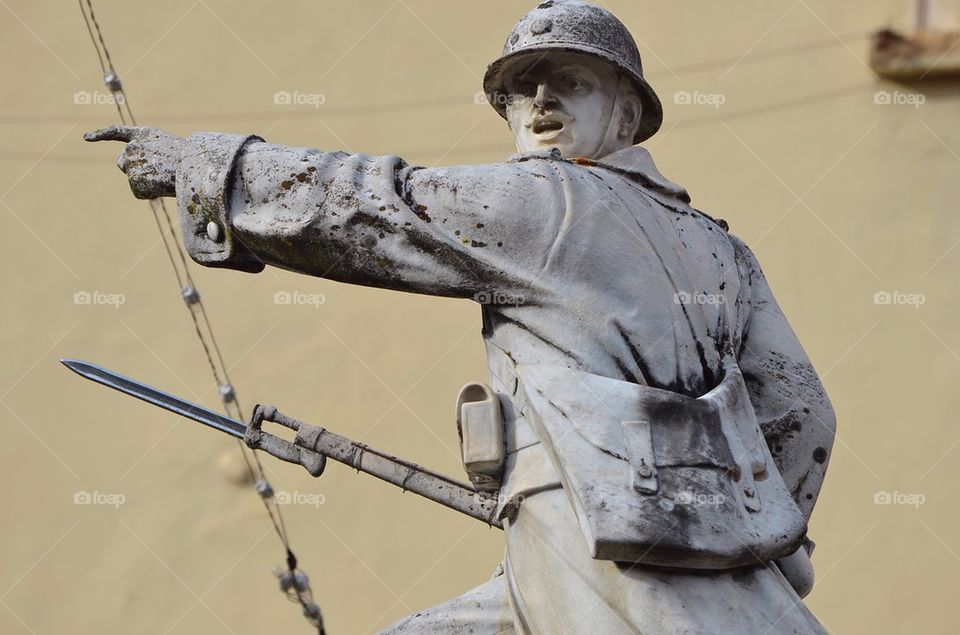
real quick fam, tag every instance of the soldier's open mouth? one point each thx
(542, 127)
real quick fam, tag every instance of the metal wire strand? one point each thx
(198, 312)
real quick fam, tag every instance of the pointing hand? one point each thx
(149, 159)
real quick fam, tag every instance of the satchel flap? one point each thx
(684, 431)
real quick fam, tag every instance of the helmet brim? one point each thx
(495, 90)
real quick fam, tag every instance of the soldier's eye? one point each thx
(525, 88)
(573, 83)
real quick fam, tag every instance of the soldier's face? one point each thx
(563, 101)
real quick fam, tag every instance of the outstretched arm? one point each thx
(374, 221)
(378, 222)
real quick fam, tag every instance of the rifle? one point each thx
(311, 447)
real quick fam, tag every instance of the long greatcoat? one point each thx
(599, 266)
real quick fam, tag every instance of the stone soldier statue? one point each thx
(665, 435)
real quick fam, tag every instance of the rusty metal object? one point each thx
(920, 55)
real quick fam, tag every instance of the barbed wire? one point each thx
(293, 582)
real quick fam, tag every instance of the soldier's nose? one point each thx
(544, 99)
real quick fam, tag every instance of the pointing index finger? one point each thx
(113, 133)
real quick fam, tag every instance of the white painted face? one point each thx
(572, 102)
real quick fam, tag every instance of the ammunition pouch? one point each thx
(480, 425)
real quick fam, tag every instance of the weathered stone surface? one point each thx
(584, 258)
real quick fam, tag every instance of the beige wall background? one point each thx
(840, 197)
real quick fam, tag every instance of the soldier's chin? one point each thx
(545, 142)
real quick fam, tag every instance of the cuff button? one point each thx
(213, 232)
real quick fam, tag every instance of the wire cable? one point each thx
(297, 585)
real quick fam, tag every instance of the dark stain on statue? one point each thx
(421, 212)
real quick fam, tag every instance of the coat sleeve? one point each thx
(463, 232)
(792, 407)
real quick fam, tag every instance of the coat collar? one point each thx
(636, 162)
(633, 162)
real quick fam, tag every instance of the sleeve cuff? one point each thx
(204, 183)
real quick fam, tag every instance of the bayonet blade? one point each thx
(157, 397)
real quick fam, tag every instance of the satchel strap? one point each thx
(638, 437)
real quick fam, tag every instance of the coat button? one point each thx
(213, 231)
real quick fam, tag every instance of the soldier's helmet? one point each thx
(572, 26)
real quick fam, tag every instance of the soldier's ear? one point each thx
(631, 111)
